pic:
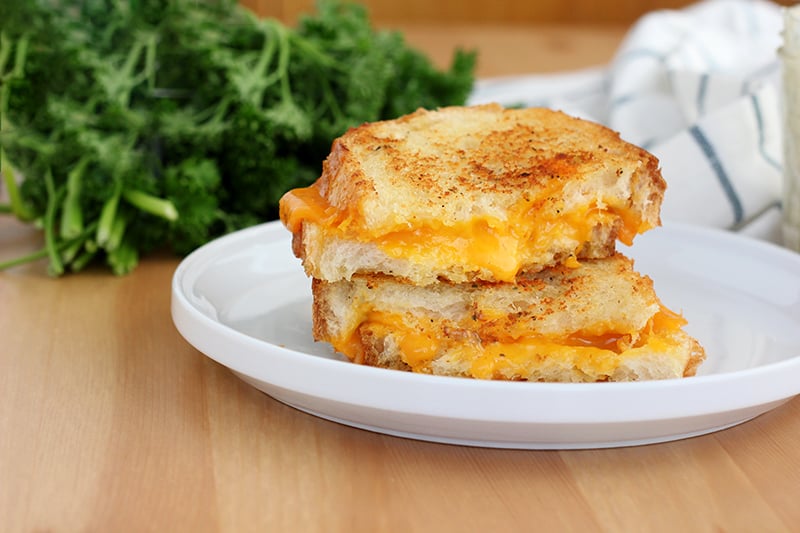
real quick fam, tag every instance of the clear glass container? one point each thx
(790, 57)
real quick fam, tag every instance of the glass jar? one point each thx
(790, 56)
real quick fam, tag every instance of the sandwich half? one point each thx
(601, 321)
(480, 242)
(465, 194)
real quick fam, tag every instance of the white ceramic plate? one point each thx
(244, 301)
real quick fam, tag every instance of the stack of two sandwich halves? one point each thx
(481, 242)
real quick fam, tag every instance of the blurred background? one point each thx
(389, 12)
(557, 35)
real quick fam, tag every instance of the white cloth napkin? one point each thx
(701, 89)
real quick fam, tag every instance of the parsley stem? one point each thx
(15, 206)
(5, 52)
(53, 197)
(108, 214)
(118, 227)
(44, 252)
(151, 204)
(20, 56)
(82, 260)
(29, 258)
(71, 213)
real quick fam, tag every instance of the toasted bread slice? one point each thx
(600, 321)
(472, 193)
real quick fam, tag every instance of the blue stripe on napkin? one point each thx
(719, 171)
(761, 135)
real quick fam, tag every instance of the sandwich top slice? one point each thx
(599, 322)
(472, 193)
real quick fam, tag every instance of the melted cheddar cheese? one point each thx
(501, 247)
(422, 343)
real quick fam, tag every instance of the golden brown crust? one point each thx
(696, 358)
(298, 244)
(321, 311)
(454, 163)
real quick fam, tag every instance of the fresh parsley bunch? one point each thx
(132, 125)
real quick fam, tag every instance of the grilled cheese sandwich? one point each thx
(599, 322)
(481, 242)
(482, 194)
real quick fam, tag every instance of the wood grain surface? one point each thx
(110, 421)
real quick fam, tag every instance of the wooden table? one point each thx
(110, 421)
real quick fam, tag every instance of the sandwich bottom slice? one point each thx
(600, 321)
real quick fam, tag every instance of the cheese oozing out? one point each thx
(424, 342)
(501, 247)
